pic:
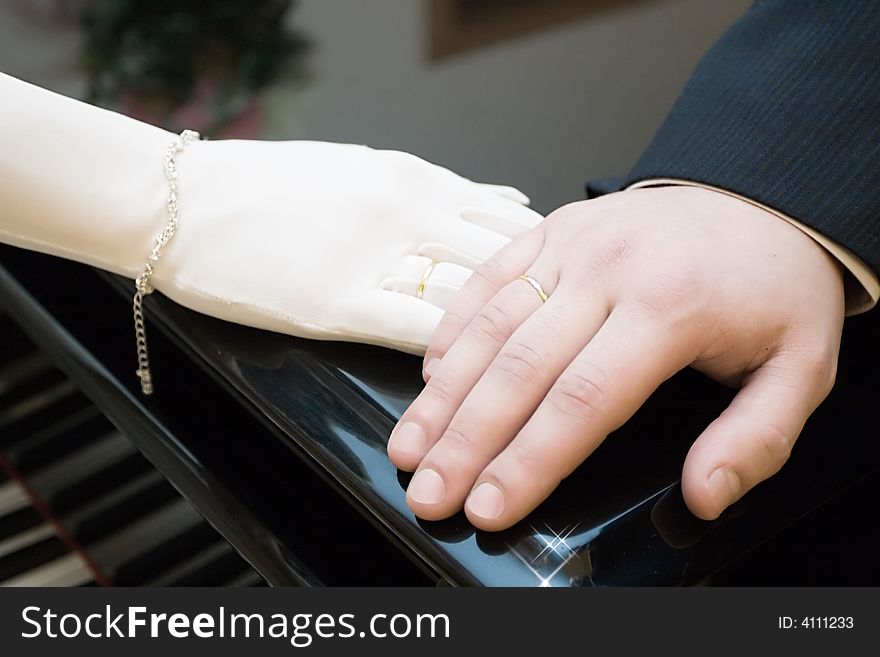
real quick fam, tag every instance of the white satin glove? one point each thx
(314, 239)
(330, 241)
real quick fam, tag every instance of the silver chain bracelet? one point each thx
(142, 282)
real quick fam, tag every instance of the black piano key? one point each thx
(110, 445)
(97, 486)
(19, 371)
(119, 507)
(250, 577)
(210, 566)
(229, 566)
(13, 341)
(152, 544)
(26, 537)
(52, 443)
(81, 492)
(138, 570)
(29, 400)
(69, 569)
(32, 396)
(39, 411)
(30, 557)
(18, 521)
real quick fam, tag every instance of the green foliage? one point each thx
(159, 51)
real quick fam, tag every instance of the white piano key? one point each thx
(25, 538)
(82, 463)
(141, 541)
(151, 529)
(12, 498)
(37, 402)
(69, 570)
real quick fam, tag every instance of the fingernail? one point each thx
(486, 501)
(431, 367)
(724, 488)
(409, 437)
(427, 487)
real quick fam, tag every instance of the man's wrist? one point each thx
(861, 284)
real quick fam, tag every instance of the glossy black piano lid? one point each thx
(618, 520)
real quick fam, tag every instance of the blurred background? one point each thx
(541, 94)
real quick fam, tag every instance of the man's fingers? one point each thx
(753, 437)
(511, 261)
(454, 376)
(503, 399)
(598, 392)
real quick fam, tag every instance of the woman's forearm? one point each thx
(78, 181)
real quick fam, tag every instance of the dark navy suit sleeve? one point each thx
(785, 109)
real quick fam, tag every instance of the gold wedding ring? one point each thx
(535, 284)
(420, 291)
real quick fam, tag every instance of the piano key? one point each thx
(27, 399)
(68, 570)
(27, 366)
(249, 577)
(35, 398)
(53, 442)
(229, 565)
(148, 546)
(31, 556)
(97, 483)
(210, 566)
(57, 478)
(26, 538)
(111, 447)
(145, 493)
(12, 498)
(139, 568)
(18, 521)
(38, 410)
(12, 339)
(97, 486)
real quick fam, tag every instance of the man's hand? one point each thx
(641, 284)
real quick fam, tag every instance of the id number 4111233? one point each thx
(816, 623)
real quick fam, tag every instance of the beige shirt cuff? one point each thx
(862, 288)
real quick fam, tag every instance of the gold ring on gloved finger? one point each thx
(423, 283)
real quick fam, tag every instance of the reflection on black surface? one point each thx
(618, 519)
(680, 528)
(247, 483)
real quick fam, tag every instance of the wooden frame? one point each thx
(456, 26)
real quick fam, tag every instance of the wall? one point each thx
(543, 112)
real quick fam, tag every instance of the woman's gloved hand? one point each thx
(315, 239)
(330, 241)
